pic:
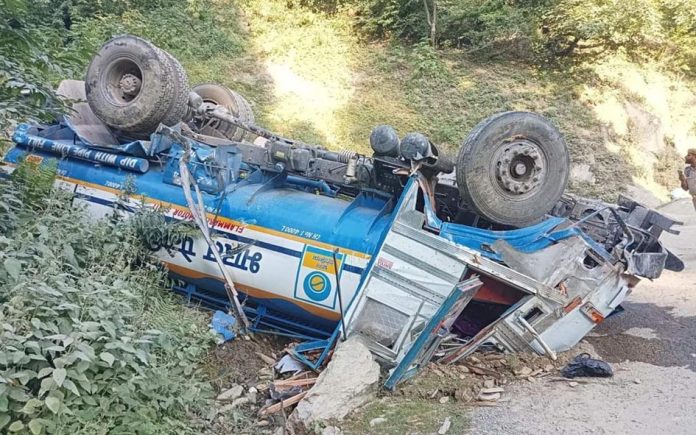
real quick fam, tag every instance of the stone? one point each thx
(377, 421)
(524, 371)
(438, 372)
(489, 397)
(445, 426)
(349, 381)
(464, 369)
(489, 383)
(637, 381)
(240, 401)
(572, 384)
(474, 360)
(262, 423)
(231, 394)
(548, 368)
(462, 395)
(492, 390)
(331, 430)
(444, 399)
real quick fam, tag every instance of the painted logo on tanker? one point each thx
(316, 276)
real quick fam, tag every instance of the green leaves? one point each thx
(53, 403)
(13, 267)
(89, 336)
(59, 376)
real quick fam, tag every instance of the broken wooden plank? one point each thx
(283, 404)
(295, 382)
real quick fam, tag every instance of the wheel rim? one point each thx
(123, 79)
(519, 168)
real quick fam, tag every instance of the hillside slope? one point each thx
(307, 74)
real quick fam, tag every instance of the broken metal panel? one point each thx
(430, 338)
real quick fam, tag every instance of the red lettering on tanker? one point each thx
(227, 226)
(384, 263)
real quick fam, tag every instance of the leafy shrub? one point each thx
(89, 342)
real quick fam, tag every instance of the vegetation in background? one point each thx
(89, 342)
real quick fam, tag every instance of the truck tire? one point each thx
(133, 86)
(513, 168)
(179, 108)
(214, 94)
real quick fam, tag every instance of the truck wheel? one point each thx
(179, 107)
(513, 168)
(133, 86)
(214, 94)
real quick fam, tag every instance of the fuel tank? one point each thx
(288, 243)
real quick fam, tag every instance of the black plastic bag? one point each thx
(584, 365)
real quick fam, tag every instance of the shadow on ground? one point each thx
(673, 343)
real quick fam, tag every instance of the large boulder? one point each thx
(348, 382)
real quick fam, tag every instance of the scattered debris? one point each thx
(445, 426)
(584, 365)
(287, 364)
(349, 381)
(283, 404)
(231, 394)
(223, 324)
(267, 359)
(524, 371)
(377, 421)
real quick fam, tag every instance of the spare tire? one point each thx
(214, 94)
(133, 86)
(513, 168)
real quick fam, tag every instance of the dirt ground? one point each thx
(652, 348)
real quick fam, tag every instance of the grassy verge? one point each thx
(90, 342)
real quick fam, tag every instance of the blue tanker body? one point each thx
(290, 231)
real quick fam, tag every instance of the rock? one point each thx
(331, 430)
(260, 387)
(637, 381)
(265, 358)
(464, 369)
(262, 423)
(240, 401)
(489, 397)
(492, 390)
(445, 426)
(524, 371)
(489, 383)
(462, 376)
(377, 421)
(438, 372)
(462, 395)
(234, 404)
(444, 399)
(253, 390)
(251, 396)
(548, 368)
(572, 384)
(536, 372)
(279, 431)
(265, 373)
(231, 394)
(474, 360)
(348, 381)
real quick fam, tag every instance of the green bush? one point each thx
(89, 341)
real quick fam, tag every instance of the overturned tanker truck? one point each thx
(423, 256)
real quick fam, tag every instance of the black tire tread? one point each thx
(468, 194)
